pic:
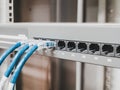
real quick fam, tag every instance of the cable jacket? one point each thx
(10, 86)
(7, 52)
(16, 60)
(21, 64)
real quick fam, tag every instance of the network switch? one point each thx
(89, 43)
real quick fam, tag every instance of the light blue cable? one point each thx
(10, 50)
(21, 64)
(16, 60)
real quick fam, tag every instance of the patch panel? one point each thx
(92, 48)
(89, 43)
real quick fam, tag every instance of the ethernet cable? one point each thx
(12, 65)
(10, 50)
(20, 66)
(37, 45)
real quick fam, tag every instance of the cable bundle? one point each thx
(27, 49)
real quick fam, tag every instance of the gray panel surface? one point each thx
(106, 33)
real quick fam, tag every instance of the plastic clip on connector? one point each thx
(46, 44)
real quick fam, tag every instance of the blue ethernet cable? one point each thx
(10, 50)
(43, 45)
(16, 60)
(21, 64)
(12, 65)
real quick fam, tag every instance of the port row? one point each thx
(104, 49)
(94, 48)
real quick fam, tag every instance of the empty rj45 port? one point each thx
(61, 45)
(108, 50)
(118, 51)
(94, 49)
(82, 47)
(71, 46)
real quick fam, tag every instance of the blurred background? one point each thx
(45, 73)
